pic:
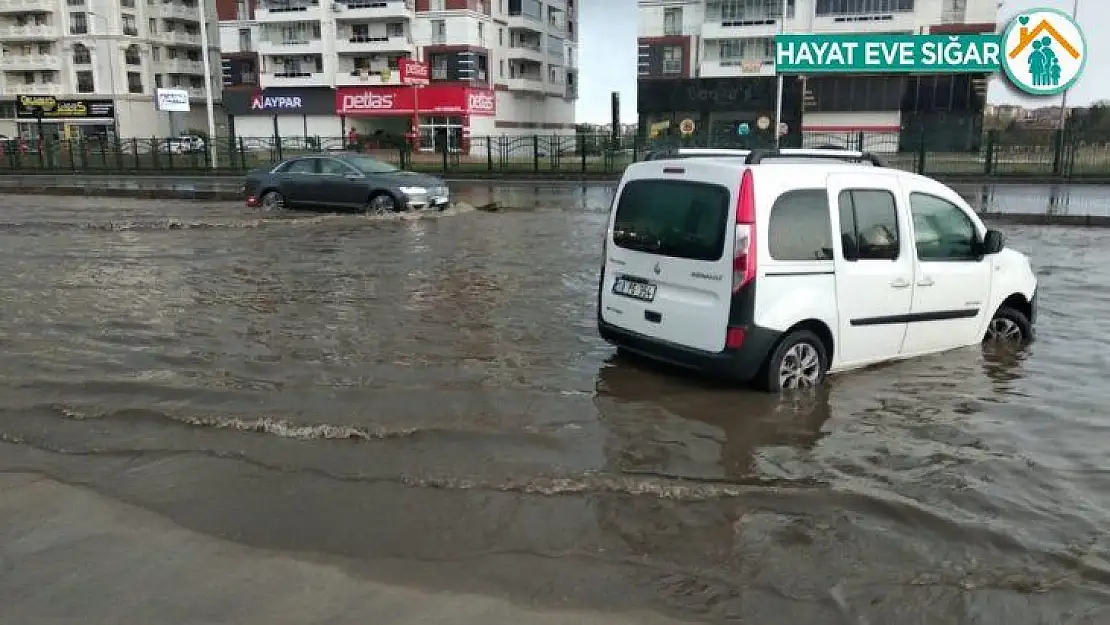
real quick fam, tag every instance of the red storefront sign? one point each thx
(414, 72)
(402, 100)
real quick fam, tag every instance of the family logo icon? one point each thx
(1045, 52)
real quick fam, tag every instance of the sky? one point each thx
(607, 57)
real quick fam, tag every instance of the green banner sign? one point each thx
(885, 53)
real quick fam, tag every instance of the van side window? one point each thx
(800, 227)
(673, 218)
(942, 230)
(868, 225)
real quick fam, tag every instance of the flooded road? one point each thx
(426, 402)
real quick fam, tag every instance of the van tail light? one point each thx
(743, 244)
(734, 338)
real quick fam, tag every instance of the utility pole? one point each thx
(778, 97)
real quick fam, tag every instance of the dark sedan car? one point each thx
(345, 182)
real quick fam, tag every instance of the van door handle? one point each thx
(900, 283)
(926, 281)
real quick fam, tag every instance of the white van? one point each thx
(790, 264)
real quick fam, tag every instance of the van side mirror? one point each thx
(993, 242)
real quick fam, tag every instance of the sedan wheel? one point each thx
(273, 202)
(381, 204)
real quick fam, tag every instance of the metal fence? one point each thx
(1039, 154)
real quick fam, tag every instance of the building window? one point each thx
(244, 40)
(750, 12)
(134, 82)
(156, 53)
(851, 94)
(501, 69)
(832, 8)
(158, 81)
(131, 55)
(75, 3)
(500, 36)
(672, 21)
(241, 11)
(81, 55)
(78, 24)
(395, 30)
(129, 27)
(85, 82)
(439, 31)
(127, 4)
(672, 59)
(751, 49)
(481, 33)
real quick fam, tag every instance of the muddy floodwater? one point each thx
(426, 402)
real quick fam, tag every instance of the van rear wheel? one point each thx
(800, 361)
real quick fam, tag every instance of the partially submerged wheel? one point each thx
(799, 362)
(272, 201)
(1009, 326)
(381, 204)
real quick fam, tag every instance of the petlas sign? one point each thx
(401, 100)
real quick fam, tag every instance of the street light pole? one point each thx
(1064, 96)
(111, 75)
(202, 8)
(778, 97)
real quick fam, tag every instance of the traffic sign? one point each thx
(686, 127)
(743, 129)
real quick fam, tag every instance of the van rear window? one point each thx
(672, 218)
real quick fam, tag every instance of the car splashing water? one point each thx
(428, 400)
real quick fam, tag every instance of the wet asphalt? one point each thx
(426, 403)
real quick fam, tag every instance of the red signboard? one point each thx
(414, 72)
(399, 100)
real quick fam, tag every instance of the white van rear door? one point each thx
(669, 252)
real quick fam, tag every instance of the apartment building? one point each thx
(322, 67)
(712, 61)
(72, 68)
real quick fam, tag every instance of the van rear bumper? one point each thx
(736, 364)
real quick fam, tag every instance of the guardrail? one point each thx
(1050, 154)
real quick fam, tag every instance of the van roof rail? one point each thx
(684, 152)
(758, 156)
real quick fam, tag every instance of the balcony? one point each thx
(29, 62)
(360, 78)
(526, 53)
(176, 11)
(290, 47)
(289, 13)
(555, 88)
(534, 85)
(572, 92)
(731, 68)
(38, 31)
(50, 88)
(294, 79)
(374, 45)
(526, 23)
(180, 66)
(27, 6)
(178, 37)
(375, 10)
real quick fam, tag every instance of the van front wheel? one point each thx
(800, 361)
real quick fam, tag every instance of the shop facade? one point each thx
(724, 111)
(63, 118)
(440, 116)
(295, 114)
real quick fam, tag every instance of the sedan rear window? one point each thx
(672, 218)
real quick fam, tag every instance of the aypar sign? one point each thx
(172, 100)
(1041, 51)
(280, 101)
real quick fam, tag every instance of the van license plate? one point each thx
(636, 290)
